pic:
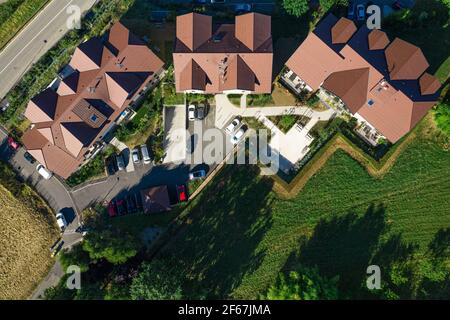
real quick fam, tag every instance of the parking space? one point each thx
(175, 134)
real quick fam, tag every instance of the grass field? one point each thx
(27, 231)
(24, 13)
(241, 234)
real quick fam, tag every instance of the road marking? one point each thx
(37, 35)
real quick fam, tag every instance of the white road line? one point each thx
(37, 35)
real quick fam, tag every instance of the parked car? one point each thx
(237, 136)
(112, 209)
(181, 191)
(361, 12)
(61, 221)
(191, 112)
(29, 157)
(120, 162)
(47, 175)
(199, 174)
(121, 207)
(233, 125)
(242, 8)
(111, 166)
(201, 112)
(131, 205)
(136, 156)
(13, 144)
(139, 204)
(145, 154)
(351, 10)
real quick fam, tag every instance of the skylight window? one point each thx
(94, 118)
(370, 102)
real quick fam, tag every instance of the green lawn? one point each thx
(241, 234)
(20, 17)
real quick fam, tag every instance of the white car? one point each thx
(61, 221)
(233, 125)
(191, 112)
(237, 136)
(135, 155)
(47, 175)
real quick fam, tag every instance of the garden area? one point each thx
(94, 169)
(287, 121)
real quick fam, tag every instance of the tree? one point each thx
(442, 117)
(306, 284)
(296, 7)
(76, 256)
(326, 5)
(112, 245)
(157, 280)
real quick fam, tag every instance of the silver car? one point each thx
(135, 155)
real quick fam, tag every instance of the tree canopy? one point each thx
(296, 7)
(305, 284)
(114, 246)
(156, 281)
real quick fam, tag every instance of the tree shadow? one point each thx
(218, 247)
(343, 246)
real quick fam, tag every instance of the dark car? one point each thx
(29, 158)
(121, 207)
(201, 112)
(111, 166)
(181, 191)
(112, 209)
(131, 204)
(139, 204)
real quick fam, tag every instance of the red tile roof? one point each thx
(360, 72)
(108, 74)
(343, 30)
(233, 57)
(405, 60)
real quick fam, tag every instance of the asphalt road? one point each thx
(42, 33)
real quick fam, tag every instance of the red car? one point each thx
(112, 210)
(14, 145)
(181, 190)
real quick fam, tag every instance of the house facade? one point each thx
(71, 117)
(382, 83)
(227, 58)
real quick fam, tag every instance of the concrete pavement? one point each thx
(42, 33)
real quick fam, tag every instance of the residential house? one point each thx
(228, 58)
(382, 83)
(104, 77)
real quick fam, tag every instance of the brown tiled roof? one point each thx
(360, 76)
(378, 40)
(194, 29)
(429, 84)
(237, 75)
(193, 77)
(253, 29)
(156, 199)
(349, 85)
(203, 66)
(405, 61)
(84, 105)
(342, 31)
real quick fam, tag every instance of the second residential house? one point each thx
(72, 116)
(228, 58)
(382, 83)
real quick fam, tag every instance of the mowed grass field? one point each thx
(27, 230)
(241, 235)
